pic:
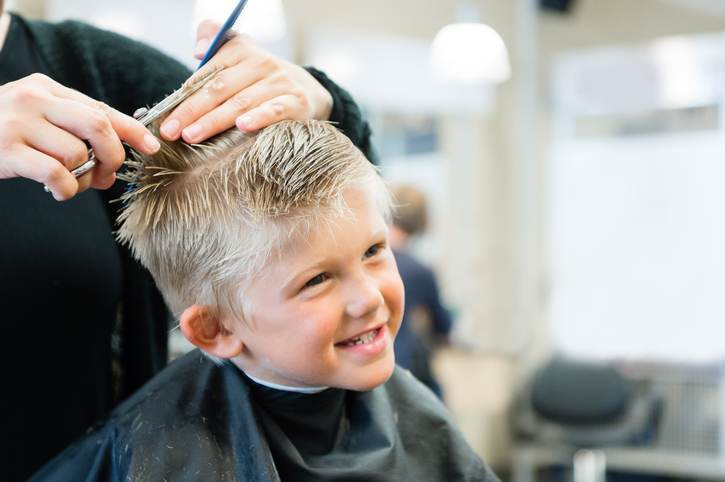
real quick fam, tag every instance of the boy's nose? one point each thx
(365, 299)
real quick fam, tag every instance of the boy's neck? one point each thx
(286, 388)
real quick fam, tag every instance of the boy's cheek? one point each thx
(394, 295)
(398, 289)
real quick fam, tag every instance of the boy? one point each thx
(272, 251)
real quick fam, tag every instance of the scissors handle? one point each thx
(222, 37)
(82, 169)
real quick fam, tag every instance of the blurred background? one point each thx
(571, 154)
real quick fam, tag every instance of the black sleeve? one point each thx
(109, 67)
(347, 116)
(133, 74)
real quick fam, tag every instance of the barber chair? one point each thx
(576, 409)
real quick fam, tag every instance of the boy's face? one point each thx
(326, 311)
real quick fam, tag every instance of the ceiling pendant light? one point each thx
(469, 51)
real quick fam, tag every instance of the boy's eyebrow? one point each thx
(321, 262)
(296, 274)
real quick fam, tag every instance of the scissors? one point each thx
(147, 116)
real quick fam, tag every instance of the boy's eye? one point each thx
(320, 278)
(373, 250)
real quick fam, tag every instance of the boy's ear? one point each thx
(204, 329)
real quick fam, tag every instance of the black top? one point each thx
(198, 421)
(64, 283)
(23, 58)
(60, 286)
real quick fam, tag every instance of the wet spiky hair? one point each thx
(203, 218)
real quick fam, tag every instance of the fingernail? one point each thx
(244, 122)
(192, 132)
(171, 128)
(201, 47)
(151, 143)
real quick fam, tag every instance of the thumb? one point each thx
(205, 33)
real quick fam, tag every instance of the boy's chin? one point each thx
(372, 377)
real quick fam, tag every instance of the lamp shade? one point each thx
(470, 53)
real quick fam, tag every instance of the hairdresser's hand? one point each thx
(254, 90)
(42, 129)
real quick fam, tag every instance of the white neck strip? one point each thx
(277, 386)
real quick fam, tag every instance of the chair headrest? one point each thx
(573, 392)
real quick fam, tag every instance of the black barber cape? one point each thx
(198, 421)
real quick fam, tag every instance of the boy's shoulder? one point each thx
(174, 384)
(429, 433)
(193, 415)
(197, 417)
(404, 390)
(195, 412)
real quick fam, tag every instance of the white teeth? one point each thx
(366, 338)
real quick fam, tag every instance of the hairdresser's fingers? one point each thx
(229, 54)
(35, 165)
(268, 113)
(223, 87)
(205, 33)
(243, 63)
(220, 118)
(94, 126)
(104, 128)
(71, 152)
(298, 96)
(236, 49)
(23, 107)
(127, 129)
(62, 146)
(289, 103)
(31, 105)
(58, 143)
(249, 85)
(131, 131)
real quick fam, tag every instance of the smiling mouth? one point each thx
(361, 339)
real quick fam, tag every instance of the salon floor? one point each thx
(477, 390)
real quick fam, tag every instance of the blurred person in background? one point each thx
(66, 286)
(426, 322)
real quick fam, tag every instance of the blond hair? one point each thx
(204, 218)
